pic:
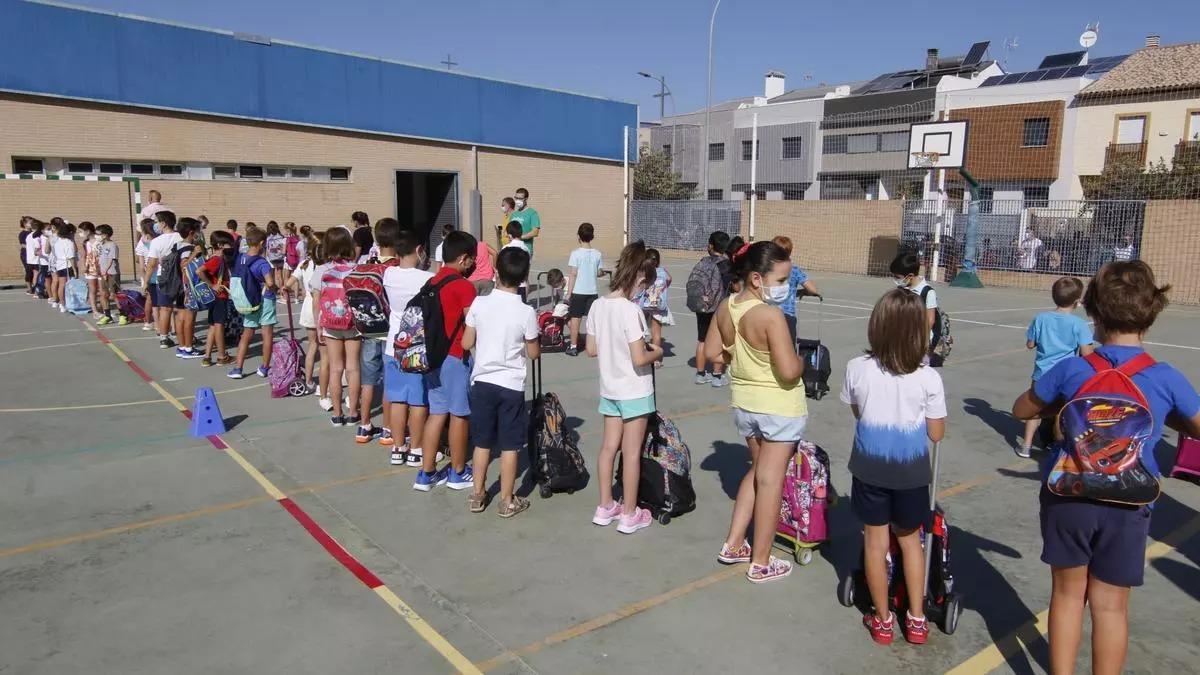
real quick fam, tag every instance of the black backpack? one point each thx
(170, 281)
(428, 345)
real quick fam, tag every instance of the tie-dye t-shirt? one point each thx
(891, 443)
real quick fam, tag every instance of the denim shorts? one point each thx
(402, 387)
(775, 428)
(628, 409)
(449, 388)
(371, 362)
(1110, 540)
(499, 420)
(906, 509)
(263, 316)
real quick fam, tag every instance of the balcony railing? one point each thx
(1187, 151)
(1125, 154)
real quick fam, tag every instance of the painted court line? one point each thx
(152, 401)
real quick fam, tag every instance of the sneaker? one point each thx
(263, 371)
(165, 342)
(476, 503)
(719, 381)
(353, 420)
(640, 519)
(235, 374)
(147, 327)
(517, 505)
(605, 515)
(338, 420)
(52, 303)
(417, 455)
(426, 481)
(325, 403)
(881, 632)
(366, 433)
(122, 320)
(62, 309)
(206, 362)
(916, 630)
(224, 360)
(733, 556)
(703, 378)
(460, 481)
(1023, 450)
(399, 455)
(774, 569)
(188, 354)
(572, 351)
(104, 321)
(385, 437)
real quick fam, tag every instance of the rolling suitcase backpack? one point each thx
(287, 364)
(76, 296)
(1187, 462)
(817, 366)
(665, 480)
(806, 496)
(555, 463)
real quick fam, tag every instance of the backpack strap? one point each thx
(925, 293)
(1130, 368)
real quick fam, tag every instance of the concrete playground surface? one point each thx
(129, 546)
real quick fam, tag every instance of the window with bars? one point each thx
(23, 165)
(834, 145)
(750, 149)
(1037, 196)
(986, 194)
(1037, 133)
(793, 147)
(716, 152)
(716, 195)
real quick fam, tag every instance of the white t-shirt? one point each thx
(613, 323)
(437, 252)
(160, 248)
(401, 284)
(516, 243)
(64, 253)
(587, 263)
(1027, 252)
(33, 249)
(304, 274)
(502, 324)
(931, 299)
(108, 254)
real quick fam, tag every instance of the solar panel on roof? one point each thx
(1055, 73)
(1033, 76)
(992, 81)
(1010, 79)
(1077, 71)
(975, 55)
(1065, 59)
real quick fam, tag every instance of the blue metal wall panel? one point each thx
(72, 53)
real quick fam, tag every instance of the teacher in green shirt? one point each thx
(527, 216)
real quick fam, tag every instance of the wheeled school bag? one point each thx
(286, 375)
(1187, 460)
(76, 296)
(552, 323)
(806, 495)
(817, 363)
(421, 343)
(665, 480)
(555, 463)
(1104, 428)
(132, 305)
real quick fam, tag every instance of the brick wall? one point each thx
(1171, 245)
(995, 141)
(855, 237)
(73, 200)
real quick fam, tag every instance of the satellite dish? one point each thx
(1088, 38)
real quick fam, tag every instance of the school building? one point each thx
(231, 125)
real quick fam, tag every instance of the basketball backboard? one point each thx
(937, 145)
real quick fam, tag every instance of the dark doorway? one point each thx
(428, 200)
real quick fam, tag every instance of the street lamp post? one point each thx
(663, 92)
(708, 105)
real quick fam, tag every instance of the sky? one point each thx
(598, 46)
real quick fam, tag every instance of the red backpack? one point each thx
(335, 310)
(368, 301)
(292, 254)
(1104, 429)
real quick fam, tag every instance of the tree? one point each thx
(1126, 178)
(654, 178)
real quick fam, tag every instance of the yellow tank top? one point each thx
(755, 386)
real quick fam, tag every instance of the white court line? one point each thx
(42, 332)
(1010, 309)
(1006, 325)
(173, 379)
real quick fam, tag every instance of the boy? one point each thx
(187, 229)
(513, 230)
(447, 385)
(906, 273)
(502, 330)
(709, 276)
(216, 272)
(583, 268)
(1097, 550)
(371, 352)
(254, 268)
(403, 392)
(437, 252)
(796, 280)
(164, 307)
(107, 253)
(1056, 335)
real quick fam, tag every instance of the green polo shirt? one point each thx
(529, 220)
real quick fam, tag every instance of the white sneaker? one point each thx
(399, 455)
(416, 455)
(147, 326)
(62, 309)
(326, 403)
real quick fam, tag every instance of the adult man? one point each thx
(1027, 251)
(527, 216)
(1124, 252)
(151, 209)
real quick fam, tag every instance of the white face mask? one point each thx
(901, 282)
(775, 295)
(520, 203)
(503, 209)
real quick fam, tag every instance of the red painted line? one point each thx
(138, 369)
(218, 442)
(330, 544)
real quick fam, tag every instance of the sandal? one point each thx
(733, 556)
(517, 505)
(477, 503)
(774, 569)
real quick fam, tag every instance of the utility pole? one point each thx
(449, 63)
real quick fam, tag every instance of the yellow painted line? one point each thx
(612, 617)
(982, 479)
(154, 401)
(422, 628)
(117, 350)
(995, 655)
(249, 468)
(168, 396)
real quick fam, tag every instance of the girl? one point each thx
(343, 347)
(616, 335)
(23, 252)
(275, 252)
(750, 334)
(291, 247)
(301, 283)
(653, 301)
(140, 252)
(898, 401)
(91, 265)
(33, 258)
(734, 281)
(65, 263)
(216, 271)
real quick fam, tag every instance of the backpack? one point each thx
(1104, 429)
(555, 462)
(943, 341)
(367, 298)
(335, 309)
(806, 496)
(200, 293)
(276, 248)
(244, 288)
(421, 343)
(75, 297)
(292, 256)
(131, 304)
(705, 289)
(170, 277)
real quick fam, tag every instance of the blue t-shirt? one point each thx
(795, 280)
(586, 262)
(1058, 335)
(260, 269)
(1165, 388)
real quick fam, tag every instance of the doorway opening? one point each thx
(429, 201)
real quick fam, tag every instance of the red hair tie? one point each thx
(741, 251)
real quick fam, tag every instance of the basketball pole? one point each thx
(968, 276)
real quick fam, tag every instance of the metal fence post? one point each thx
(625, 179)
(753, 171)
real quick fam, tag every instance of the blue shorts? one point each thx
(628, 409)
(499, 420)
(774, 428)
(1108, 539)
(152, 293)
(370, 362)
(220, 312)
(874, 505)
(449, 388)
(402, 387)
(263, 316)
(164, 300)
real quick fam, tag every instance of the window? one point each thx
(301, 173)
(667, 149)
(793, 147)
(1037, 133)
(339, 174)
(986, 194)
(111, 167)
(250, 171)
(224, 171)
(141, 169)
(716, 195)
(276, 172)
(762, 194)
(1037, 196)
(1131, 129)
(1193, 130)
(716, 152)
(896, 141)
(27, 165)
(859, 143)
(793, 193)
(170, 169)
(750, 149)
(834, 145)
(80, 167)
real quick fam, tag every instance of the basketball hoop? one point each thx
(925, 160)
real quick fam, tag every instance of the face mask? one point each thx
(520, 203)
(503, 209)
(775, 295)
(901, 282)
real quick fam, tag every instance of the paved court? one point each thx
(128, 546)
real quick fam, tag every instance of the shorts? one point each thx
(449, 388)
(874, 505)
(29, 270)
(348, 334)
(164, 300)
(628, 409)
(703, 321)
(262, 317)
(402, 387)
(220, 312)
(1109, 539)
(62, 273)
(111, 284)
(152, 294)
(90, 277)
(774, 428)
(580, 305)
(499, 419)
(277, 264)
(370, 362)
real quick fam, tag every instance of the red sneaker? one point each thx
(916, 630)
(881, 631)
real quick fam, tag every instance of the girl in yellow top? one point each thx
(751, 334)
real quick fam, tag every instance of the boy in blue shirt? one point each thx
(1055, 335)
(264, 317)
(584, 267)
(797, 279)
(1097, 550)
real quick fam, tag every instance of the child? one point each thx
(65, 262)
(301, 283)
(216, 272)
(897, 401)
(484, 273)
(371, 367)
(108, 259)
(1056, 335)
(91, 265)
(33, 258)
(906, 273)
(796, 280)
(769, 409)
(1097, 550)
(502, 330)
(583, 268)
(342, 345)
(276, 251)
(437, 251)
(49, 238)
(710, 274)
(293, 253)
(255, 274)
(616, 336)
(404, 392)
(448, 385)
(653, 301)
(22, 238)
(513, 233)
(160, 248)
(185, 312)
(142, 255)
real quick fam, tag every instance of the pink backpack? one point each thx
(335, 309)
(292, 256)
(805, 496)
